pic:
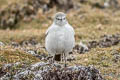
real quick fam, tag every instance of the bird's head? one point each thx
(60, 19)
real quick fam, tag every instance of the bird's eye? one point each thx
(57, 18)
(63, 18)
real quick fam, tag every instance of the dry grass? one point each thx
(4, 3)
(10, 55)
(9, 36)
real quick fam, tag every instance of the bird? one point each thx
(60, 37)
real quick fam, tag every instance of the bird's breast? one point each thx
(60, 40)
(60, 35)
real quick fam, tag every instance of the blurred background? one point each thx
(96, 22)
(86, 16)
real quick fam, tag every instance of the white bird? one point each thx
(60, 37)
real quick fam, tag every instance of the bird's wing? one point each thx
(46, 33)
(71, 28)
(48, 30)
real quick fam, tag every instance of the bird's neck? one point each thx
(60, 25)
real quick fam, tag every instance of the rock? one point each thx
(92, 44)
(106, 4)
(73, 73)
(71, 58)
(111, 3)
(116, 58)
(32, 52)
(15, 44)
(2, 44)
(41, 56)
(5, 77)
(116, 55)
(105, 41)
(2, 72)
(61, 4)
(45, 8)
(22, 75)
(7, 66)
(109, 40)
(45, 71)
(81, 48)
(37, 65)
(83, 1)
(9, 16)
(97, 5)
(14, 13)
(31, 41)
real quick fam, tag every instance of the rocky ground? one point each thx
(96, 55)
(45, 71)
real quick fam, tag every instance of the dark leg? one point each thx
(62, 58)
(57, 57)
(65, 59)
(53, 58)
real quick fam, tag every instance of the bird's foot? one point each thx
(65, 65)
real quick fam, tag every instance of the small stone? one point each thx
(109, 40)
(15, 44)
(2, 44)
(92, 44)
(81, 48)
(32, 52)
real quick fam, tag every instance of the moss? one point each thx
(13, 56)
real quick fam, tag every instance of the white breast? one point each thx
(59, 39)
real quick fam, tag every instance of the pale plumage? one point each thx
(59, 36)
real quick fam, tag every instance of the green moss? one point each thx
(9, 56)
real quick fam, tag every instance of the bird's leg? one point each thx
(53, 58)
(65, 59)
(62, 58)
